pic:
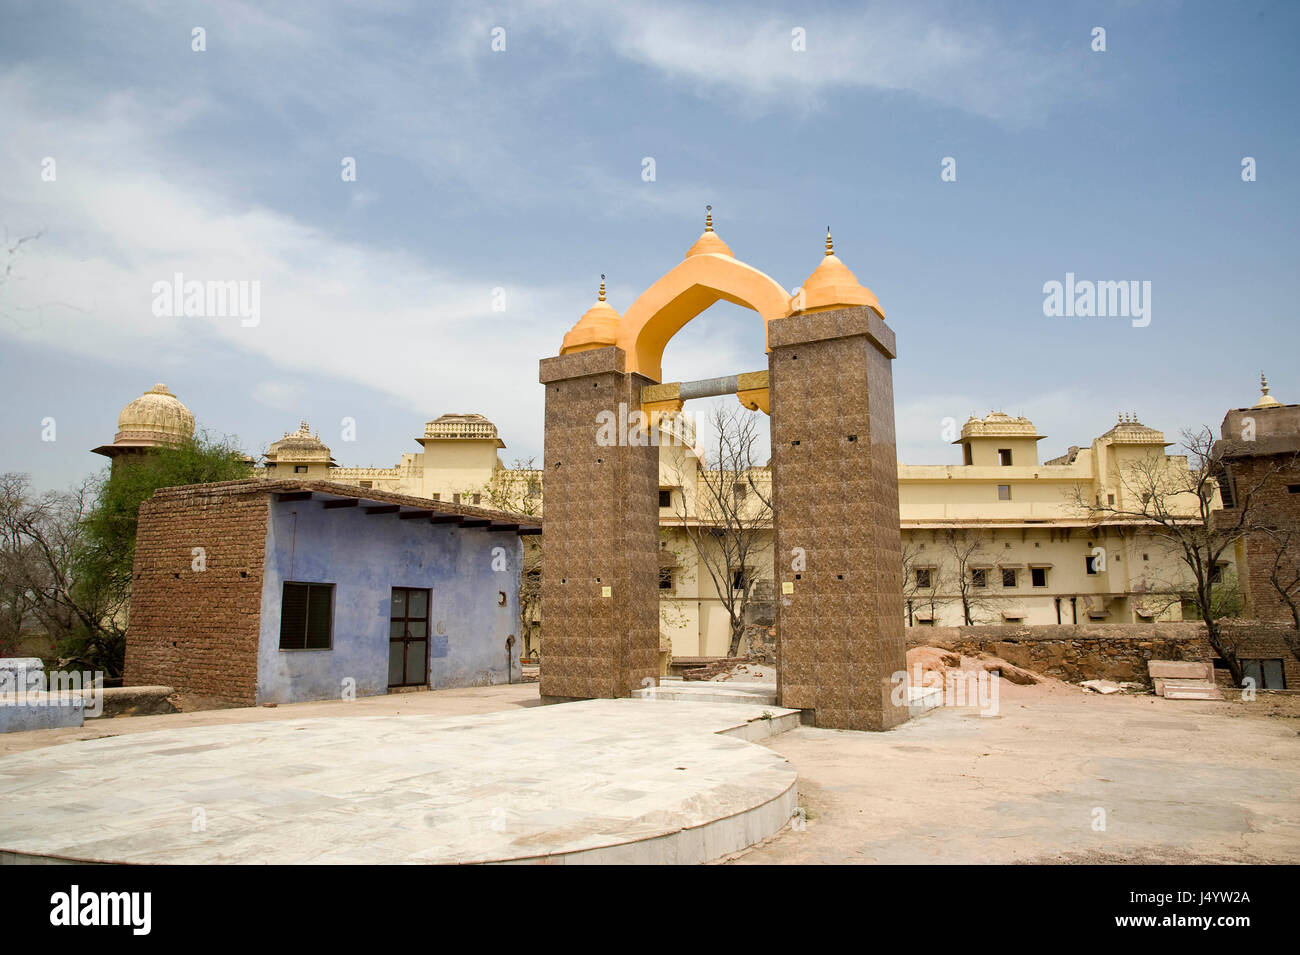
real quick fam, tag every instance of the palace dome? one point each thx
(1265, 399)
(301, 446)
(157, 416)
(998, 424)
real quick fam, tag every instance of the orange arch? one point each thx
(688, 289)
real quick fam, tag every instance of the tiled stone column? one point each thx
(600, 530)
(839, 606)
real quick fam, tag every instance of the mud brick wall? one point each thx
(1276, 504)
(835, 496)
(1108, 651)
(602, 530)
(197, 631)
(1263, 639)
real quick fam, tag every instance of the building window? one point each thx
(1225, 491)
(966, 457)
(738, 492)
(1008, 576)
(1110, 498)
(1293, 488)
(739, 578)
(478, 498)
(1013, 619)
(1038, 576)
(1004, 492)
(925, 623)
(534, 489)
(455, 499)
(306, 616)
(1004, 457)
(979, 577)
(665, 579)
(923, 578)
(1216, 574)
(1090, 564)
(300, 469)
(665, 498)
(368, 484)
(1267, 674)
(437, 497)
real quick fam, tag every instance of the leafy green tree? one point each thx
(102, 564)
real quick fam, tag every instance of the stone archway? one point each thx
(834, 479)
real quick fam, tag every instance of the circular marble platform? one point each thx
(599, 781)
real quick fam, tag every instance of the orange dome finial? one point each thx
(832, 285)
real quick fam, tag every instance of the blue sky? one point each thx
(522, 170)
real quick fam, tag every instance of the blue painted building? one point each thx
(285, 591)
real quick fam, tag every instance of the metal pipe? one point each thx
(708, 387)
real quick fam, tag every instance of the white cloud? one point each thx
(329, 307)
(730, 51)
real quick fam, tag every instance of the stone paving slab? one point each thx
(593, 781)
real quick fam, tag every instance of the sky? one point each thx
(493, 187)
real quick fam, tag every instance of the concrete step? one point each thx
(1191, 690)
(709, 692)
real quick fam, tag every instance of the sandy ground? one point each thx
(1058, 775)
(747, 673)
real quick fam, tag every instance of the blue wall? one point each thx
(365, 556)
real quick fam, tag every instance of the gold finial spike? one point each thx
(1263, 383)
(708, 218)
(830, 245)
(602, 286)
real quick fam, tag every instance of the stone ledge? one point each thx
(837, 323)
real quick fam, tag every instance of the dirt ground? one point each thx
(1056, 776)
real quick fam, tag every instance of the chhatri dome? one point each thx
(156, 418)
(300, 448)
(1266, 400)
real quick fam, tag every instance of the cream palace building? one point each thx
(1008, 521)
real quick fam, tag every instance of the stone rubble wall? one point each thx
(1108, 651)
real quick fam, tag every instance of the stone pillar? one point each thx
(839, 611)
(600, 530)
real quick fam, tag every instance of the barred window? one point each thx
(306, 616)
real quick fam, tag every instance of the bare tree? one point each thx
(1179, 506)
(921, 590)
(42, 537)
(518, 489)
(1284, 573)
(1284, 576)
(727, 514)
(969, 575)
(9, 250)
